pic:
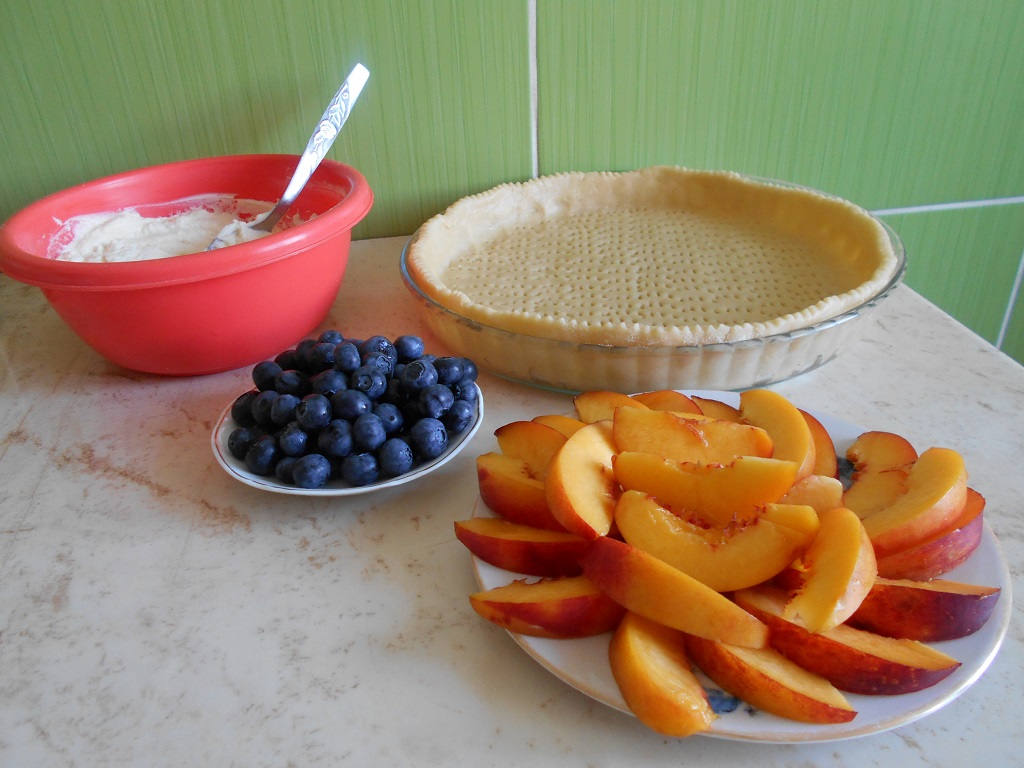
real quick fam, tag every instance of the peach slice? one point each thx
(716, 409)
(567, 425)
(839, 571)
(600, 405)
(717, 493)
(565, 607)
(771, 682)
(668, 400)
(580, 487)
(521, 548)
(928, 611)
(507, 488)
(675, 437)
(723, 560)
(650, 666)
(784, 423)
(818, 491)
(851, 659)
(534, 443)
(644, 584)
(872, 492)
(935, 497)
(826, 462)
(877, 451)
(944, 551)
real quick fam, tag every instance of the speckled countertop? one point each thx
(155, 612)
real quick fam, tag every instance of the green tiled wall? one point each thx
(911, 104)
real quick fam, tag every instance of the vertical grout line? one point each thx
(531, 12)
(1014, 294)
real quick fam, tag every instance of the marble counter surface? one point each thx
(155, 612)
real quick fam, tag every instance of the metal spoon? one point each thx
(323, 137)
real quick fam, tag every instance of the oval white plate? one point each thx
(583, 663)
(237, 469)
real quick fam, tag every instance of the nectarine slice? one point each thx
(567, 425)
(935, 497)
(646, 585)
(717, 493)
(818, 491)
(668, 400)
(521, 548)
(650, 666)
(784, 423)
(716, 409)
(507, 488)
(722, 559)
(851, 659)
(565, 607)
(826, 462)
(534, 443)
(877, 451)
(580, 486)
(677, 438)
(771, 682)
(600, 405)
(839, 569)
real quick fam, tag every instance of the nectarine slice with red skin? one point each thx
(566, 607)
(646, 585)
(877, 451)
(720, 494)
(507, 488)
(650, 667)
(818, 491)
(785, 425)
(521, 548)
(668, 400)
(534, 443)
(580, 487)
(935, 497)
(567, 425)
(839, 571)
(769, 681)
(716, 409)
(853, 660)
(826, 462)
(944, 551)
(675, 437)
(724, 560)
(928, 611)
(600, 405)
(872, 492)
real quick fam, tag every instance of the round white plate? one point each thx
(583, 663)
(237, 469)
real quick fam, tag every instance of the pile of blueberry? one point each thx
(356, 410)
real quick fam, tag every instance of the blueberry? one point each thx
(240, 440)
(263, 374)
(311, 471)
(379, 344)
(283, 469)
(359, 469)
(408, 348)
(435, 400)
(282, 410)
(302, 352)
(288, 360)
(370, 380)
(293, 382)
(459, 416)
(368, 432)
(262, 455)
(313, 412)
(321, 356)
(241, 409)
(350, 404)
(329, 383)
(261, 406)
(335, 440)
(395, 457)
(429, 438)
(331, 336)
(395, 394)
(418, 375)
(347, 357)
(449, 369)
(292, 440)
(390, 417)
(469, 369)
(380, 360)
(466, 389)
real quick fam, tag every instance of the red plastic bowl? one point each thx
(203, 312)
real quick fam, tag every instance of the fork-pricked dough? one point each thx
(661, 256)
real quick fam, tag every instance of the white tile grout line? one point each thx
(531, 11)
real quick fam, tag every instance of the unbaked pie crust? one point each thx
(661, 256)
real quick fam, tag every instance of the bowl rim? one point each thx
(48, 273)
(897, 277)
